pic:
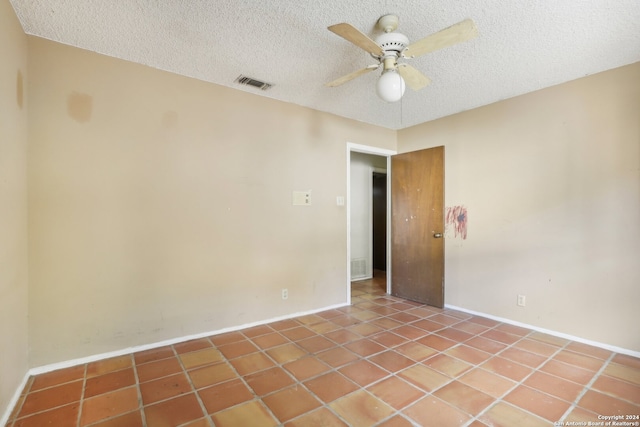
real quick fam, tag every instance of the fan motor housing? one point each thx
(392, 43)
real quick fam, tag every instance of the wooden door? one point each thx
(417, 226)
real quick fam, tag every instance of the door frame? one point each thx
(366, 149)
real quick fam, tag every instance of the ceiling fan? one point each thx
(389, 47)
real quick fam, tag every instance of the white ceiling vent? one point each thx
(244, 80)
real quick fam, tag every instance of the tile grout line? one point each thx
(395, 412)
(140, 402)
(151, 380)
(587, 386)
(16, 411)
(399, 412)
(112, 417)
(193, 387)
(438, 352)
(46, 409)
(360, 358)
(493, 355)
(499, 399)
(332, 368)
(308, 326)
(452, 379)
(512, 345)
(81, 402)
(299, 382)
(276, 363)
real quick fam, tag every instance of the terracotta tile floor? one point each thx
(382, 361)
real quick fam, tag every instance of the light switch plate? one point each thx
(302, 198)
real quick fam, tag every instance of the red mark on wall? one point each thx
(456, 218)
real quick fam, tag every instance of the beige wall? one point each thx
(161, 206)
(551, 181)
(13, 205)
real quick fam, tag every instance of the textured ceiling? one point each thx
(522, 46)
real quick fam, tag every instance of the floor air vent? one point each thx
(358, 268)
(248, 81)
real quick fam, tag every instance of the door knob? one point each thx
(437, 235)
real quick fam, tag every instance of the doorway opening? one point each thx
(368, 232)
(379, 220)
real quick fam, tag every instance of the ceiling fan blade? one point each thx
(351, 76)
(460, 32)
(355, 36)
(412, 77)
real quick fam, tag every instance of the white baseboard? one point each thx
(134, 349)
(14, 400)
(93, 358)
(80, 361)
(548, 331)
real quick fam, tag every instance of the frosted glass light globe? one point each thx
(390, 86)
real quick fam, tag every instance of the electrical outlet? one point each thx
(522, 300)
(285, 293)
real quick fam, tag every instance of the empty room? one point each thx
(381, 213)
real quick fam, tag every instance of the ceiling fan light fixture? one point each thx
(391, 46)
(390, 86)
